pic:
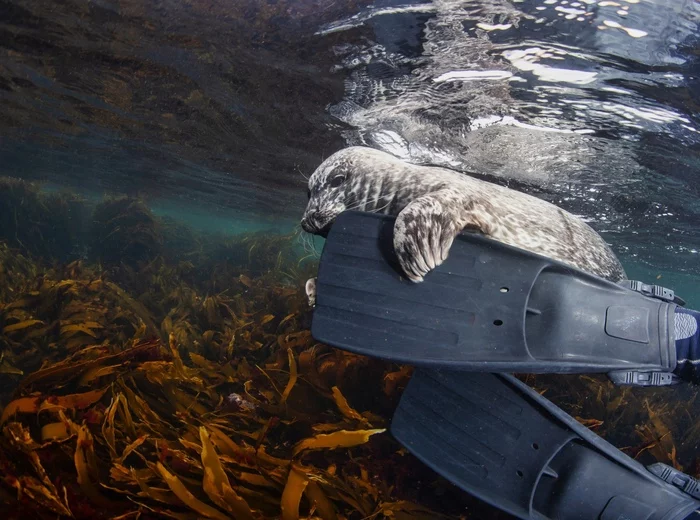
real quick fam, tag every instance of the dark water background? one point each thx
(214, 111)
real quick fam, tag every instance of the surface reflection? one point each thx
(556, 98)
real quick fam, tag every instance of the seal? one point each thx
(433, 205)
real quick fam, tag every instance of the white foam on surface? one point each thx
(473, 75)
(525, 60)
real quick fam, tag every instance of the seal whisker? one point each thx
(312, 246)
(309, 244)
(301, 173)
(306, 240)
(364, 204)
(379, 209)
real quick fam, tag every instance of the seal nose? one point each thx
(307, 225)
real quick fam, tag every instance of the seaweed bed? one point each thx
(150, 371)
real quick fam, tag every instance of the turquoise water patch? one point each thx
(685, 285)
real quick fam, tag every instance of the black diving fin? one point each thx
(489, 307)
(499, 440)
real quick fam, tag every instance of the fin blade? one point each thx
(489, 307)
(500, 441)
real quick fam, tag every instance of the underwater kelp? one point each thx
(124, 231)
(43, 224)
(648, 424)
(158, 435)
(171, 402)
(182, 382)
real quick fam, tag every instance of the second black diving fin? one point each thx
(489, 308)
(499, 440)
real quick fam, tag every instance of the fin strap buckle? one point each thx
(654, 291)
(638, 378)
(686, 483)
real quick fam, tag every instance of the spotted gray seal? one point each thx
(433, 205)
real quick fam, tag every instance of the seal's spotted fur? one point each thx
(433, 205)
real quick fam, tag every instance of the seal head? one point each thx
(362, 179)
(329, 195)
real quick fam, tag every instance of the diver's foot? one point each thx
(687, 332)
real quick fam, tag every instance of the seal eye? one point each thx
(337, 181)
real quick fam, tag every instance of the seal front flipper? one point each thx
(499, 440)
(425, 229)
(489, 307)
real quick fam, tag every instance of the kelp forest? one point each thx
(148, 370)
